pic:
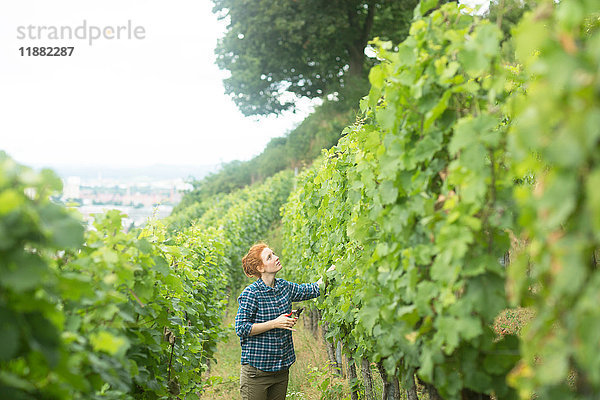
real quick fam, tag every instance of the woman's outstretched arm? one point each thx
(306, 291)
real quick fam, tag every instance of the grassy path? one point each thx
(309, 372)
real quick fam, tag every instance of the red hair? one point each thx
(252, 260)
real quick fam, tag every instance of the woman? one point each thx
(265, 327)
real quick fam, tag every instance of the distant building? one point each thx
(138, 200)
(71, 188)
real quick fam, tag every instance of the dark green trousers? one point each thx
(260, 385)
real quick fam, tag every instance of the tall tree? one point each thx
(278, 50)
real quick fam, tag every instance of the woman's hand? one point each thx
(281, 322)
(284, 322)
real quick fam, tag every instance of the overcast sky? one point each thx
(123, 102)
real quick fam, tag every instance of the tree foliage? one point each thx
(276, 50)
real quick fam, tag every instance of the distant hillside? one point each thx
(320, 130)
(136, 174)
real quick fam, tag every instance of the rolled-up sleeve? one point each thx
(246, 314)
(305, 291)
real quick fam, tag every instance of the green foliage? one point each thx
(120, 314)
(241, 218)
(190, 209)
(556, 138)
(88, 321)
(32, 229)
(413, 206)
(455, 153)
(326, 384)
(279, 50)
(506, 14)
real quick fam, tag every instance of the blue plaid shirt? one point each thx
(272, 350)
